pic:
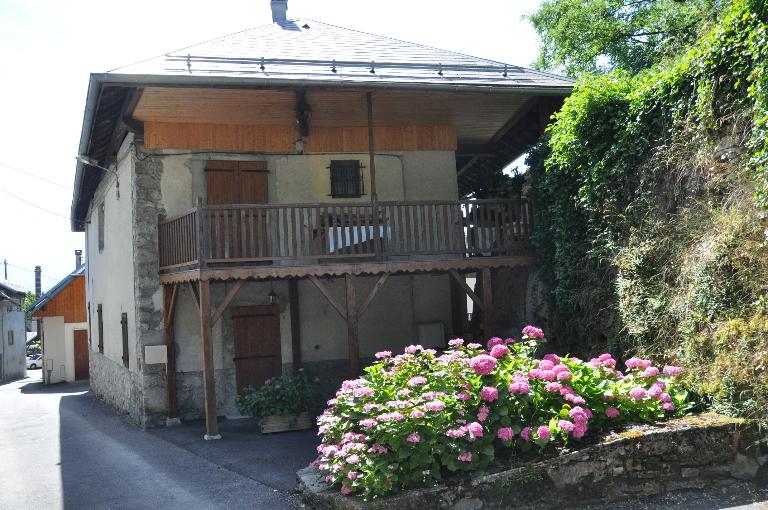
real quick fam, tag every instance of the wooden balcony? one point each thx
(306, 234)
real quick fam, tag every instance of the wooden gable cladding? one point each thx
(280, 139)
(69, 303)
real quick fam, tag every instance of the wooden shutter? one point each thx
(252, 185)
(101, 227)
(100, 318)
(236, 182)
(124, 325)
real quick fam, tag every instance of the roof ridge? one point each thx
(385, 37)
(425, 46)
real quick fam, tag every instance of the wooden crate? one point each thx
(286, 423)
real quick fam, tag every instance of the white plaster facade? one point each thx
(13, 338)
(389, 323)
(59, 349)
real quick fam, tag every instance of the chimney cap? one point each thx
(279, 10)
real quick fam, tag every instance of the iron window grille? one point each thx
(346, 178)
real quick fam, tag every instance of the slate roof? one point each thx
(305, 49)
(11, 291)
(45, 298)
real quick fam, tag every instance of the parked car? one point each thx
(35, 361)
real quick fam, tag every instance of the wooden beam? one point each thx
(206, 347)
(352, 330)
(227, 300)
(461, 281)
(372, 294)
(169, 300)
(487, 304)
(324, 291)
(293, 298)
(339, 269)
(195, 295)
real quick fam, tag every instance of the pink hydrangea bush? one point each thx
(414, 417)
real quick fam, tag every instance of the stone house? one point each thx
(297, 194)
(61, 313)
(13, 333)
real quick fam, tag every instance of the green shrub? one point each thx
(284, 395)
(413, 418)
(651, 196)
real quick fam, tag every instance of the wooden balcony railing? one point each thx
(241, 234)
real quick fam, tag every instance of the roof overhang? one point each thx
(109, 95)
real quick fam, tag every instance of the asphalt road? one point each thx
(60, 448)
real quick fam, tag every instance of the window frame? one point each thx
(101, 226)
(100, 319)
(354, 168)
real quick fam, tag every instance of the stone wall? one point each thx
(147, 203)
(688, 453)
(116, 385)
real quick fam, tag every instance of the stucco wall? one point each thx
(59, 349)
(418, 175)
(54, 350)
(13, 356)
(110, 275)
(388, 324)
(124, 277)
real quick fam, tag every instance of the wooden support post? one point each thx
(206, 346)
(377, 235)
(170, 294)
(227, 300)
(487, 304)
(352, 330)
(372, 294)
(325, 292)
(293, 298)
(463, 283)
(195, 294)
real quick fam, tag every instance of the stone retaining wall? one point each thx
(116, 385)
(687, 453)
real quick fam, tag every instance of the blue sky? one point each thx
(50, 46)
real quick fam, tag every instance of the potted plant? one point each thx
(284, 403)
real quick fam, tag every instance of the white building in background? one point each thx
(13, 333)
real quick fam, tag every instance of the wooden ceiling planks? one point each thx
(476, 117)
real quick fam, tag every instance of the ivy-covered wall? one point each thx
(652, 201)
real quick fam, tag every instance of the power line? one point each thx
(6, 165)
(32, 271)
(34, 205)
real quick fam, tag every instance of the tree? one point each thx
(29, 301)
(598, 36)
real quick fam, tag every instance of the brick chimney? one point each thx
(279, 10)
(38, 285)
(78, 258)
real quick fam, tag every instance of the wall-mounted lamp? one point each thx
(272, 297)
(299, 145)
(91, 162)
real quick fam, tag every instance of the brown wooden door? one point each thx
(257, 345)
(81, 354)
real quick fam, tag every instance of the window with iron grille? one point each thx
(346, 178)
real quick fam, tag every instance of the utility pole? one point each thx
(5, 264)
